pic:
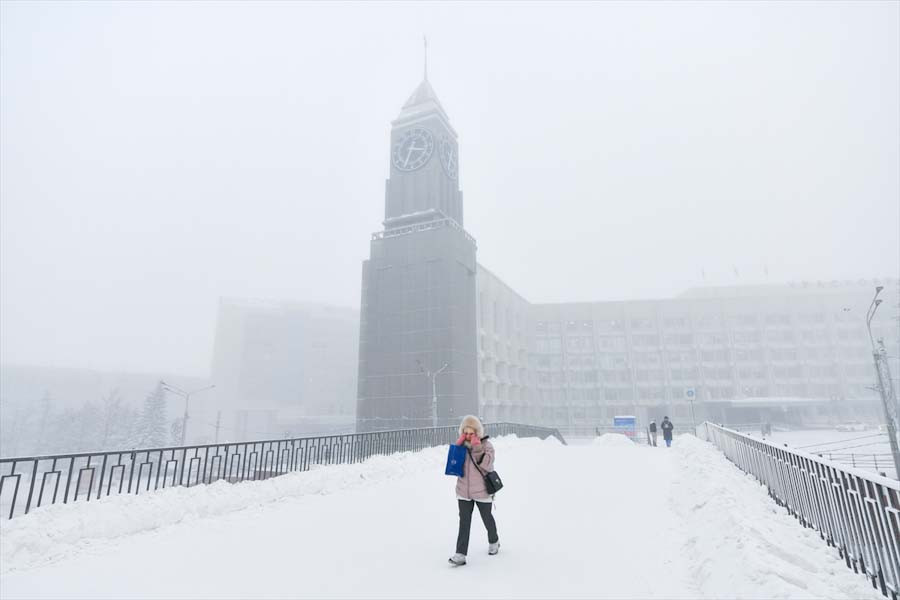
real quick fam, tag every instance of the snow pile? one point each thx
(52, 531)
(741, 543)
(613, 440)
(55, 531)
(600, 520)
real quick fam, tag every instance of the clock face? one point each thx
(449, 158)
(412, 149)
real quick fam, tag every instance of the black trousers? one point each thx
(465, 523)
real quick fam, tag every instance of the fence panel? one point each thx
(853, 510)
(28, 483)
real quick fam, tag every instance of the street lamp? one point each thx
(187, 400)
(885, 385)
(870, 313)
(433, 376)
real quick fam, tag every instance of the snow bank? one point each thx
(741, 544)
(613, 440)
(52, 532)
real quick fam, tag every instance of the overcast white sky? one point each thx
(157, 156)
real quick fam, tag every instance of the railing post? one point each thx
(31, 486)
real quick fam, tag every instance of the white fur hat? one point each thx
(473, 422)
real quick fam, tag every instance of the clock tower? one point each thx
(424, 161)
(417, 319)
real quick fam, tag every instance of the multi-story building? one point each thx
(745, 353)
(769, 352)
(279, 368)
(506, 374)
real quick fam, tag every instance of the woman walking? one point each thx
(470, 488)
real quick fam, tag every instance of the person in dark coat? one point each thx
(653, 433)
(667, 428)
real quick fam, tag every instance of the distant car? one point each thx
(852, 426)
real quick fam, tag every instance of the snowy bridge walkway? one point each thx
(605, 519)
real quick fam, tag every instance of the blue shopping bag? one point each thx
(456, 458)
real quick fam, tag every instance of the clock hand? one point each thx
(409, 152)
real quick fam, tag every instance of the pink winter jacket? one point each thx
(471, 484)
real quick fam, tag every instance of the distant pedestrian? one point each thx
(471, 490)
(667, 428)
(653, 433)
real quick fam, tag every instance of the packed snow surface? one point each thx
(613, 440)
(612, 519)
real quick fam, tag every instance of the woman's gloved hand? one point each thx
(461, 440)
(475, 439)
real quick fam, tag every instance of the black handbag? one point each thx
(492, 481)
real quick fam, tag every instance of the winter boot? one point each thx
(457, 560)
(494, 548)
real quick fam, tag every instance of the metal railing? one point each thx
(417, 227)
(27, 483)
(857, 512)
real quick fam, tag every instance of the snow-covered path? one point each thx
(608, 519)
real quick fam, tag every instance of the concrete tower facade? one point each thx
(418, 286)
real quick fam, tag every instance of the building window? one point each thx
(612, 324)
(713, 339)
(714, 355)
(481, 309)
(613, 342)
(778, 319)
(679, 339)
(676, 322)
(645, 340)
(496, 322)
(645, 324)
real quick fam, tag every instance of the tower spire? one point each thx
(425, 41)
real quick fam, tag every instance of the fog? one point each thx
(157, 156)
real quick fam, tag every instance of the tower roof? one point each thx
(423, 94)
(421, 103)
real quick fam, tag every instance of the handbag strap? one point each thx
(483, 474)
(469, 452)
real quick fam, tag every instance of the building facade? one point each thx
(507, 378)
(796, 352)
(280, 368)
(417, 313)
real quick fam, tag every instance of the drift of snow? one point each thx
(613, 440)
(609, 519)
(59, 530)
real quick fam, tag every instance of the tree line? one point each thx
(108, 424)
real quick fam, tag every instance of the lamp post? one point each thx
(870, 313)
(433, 376)
(885, 385)
(187, 399)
